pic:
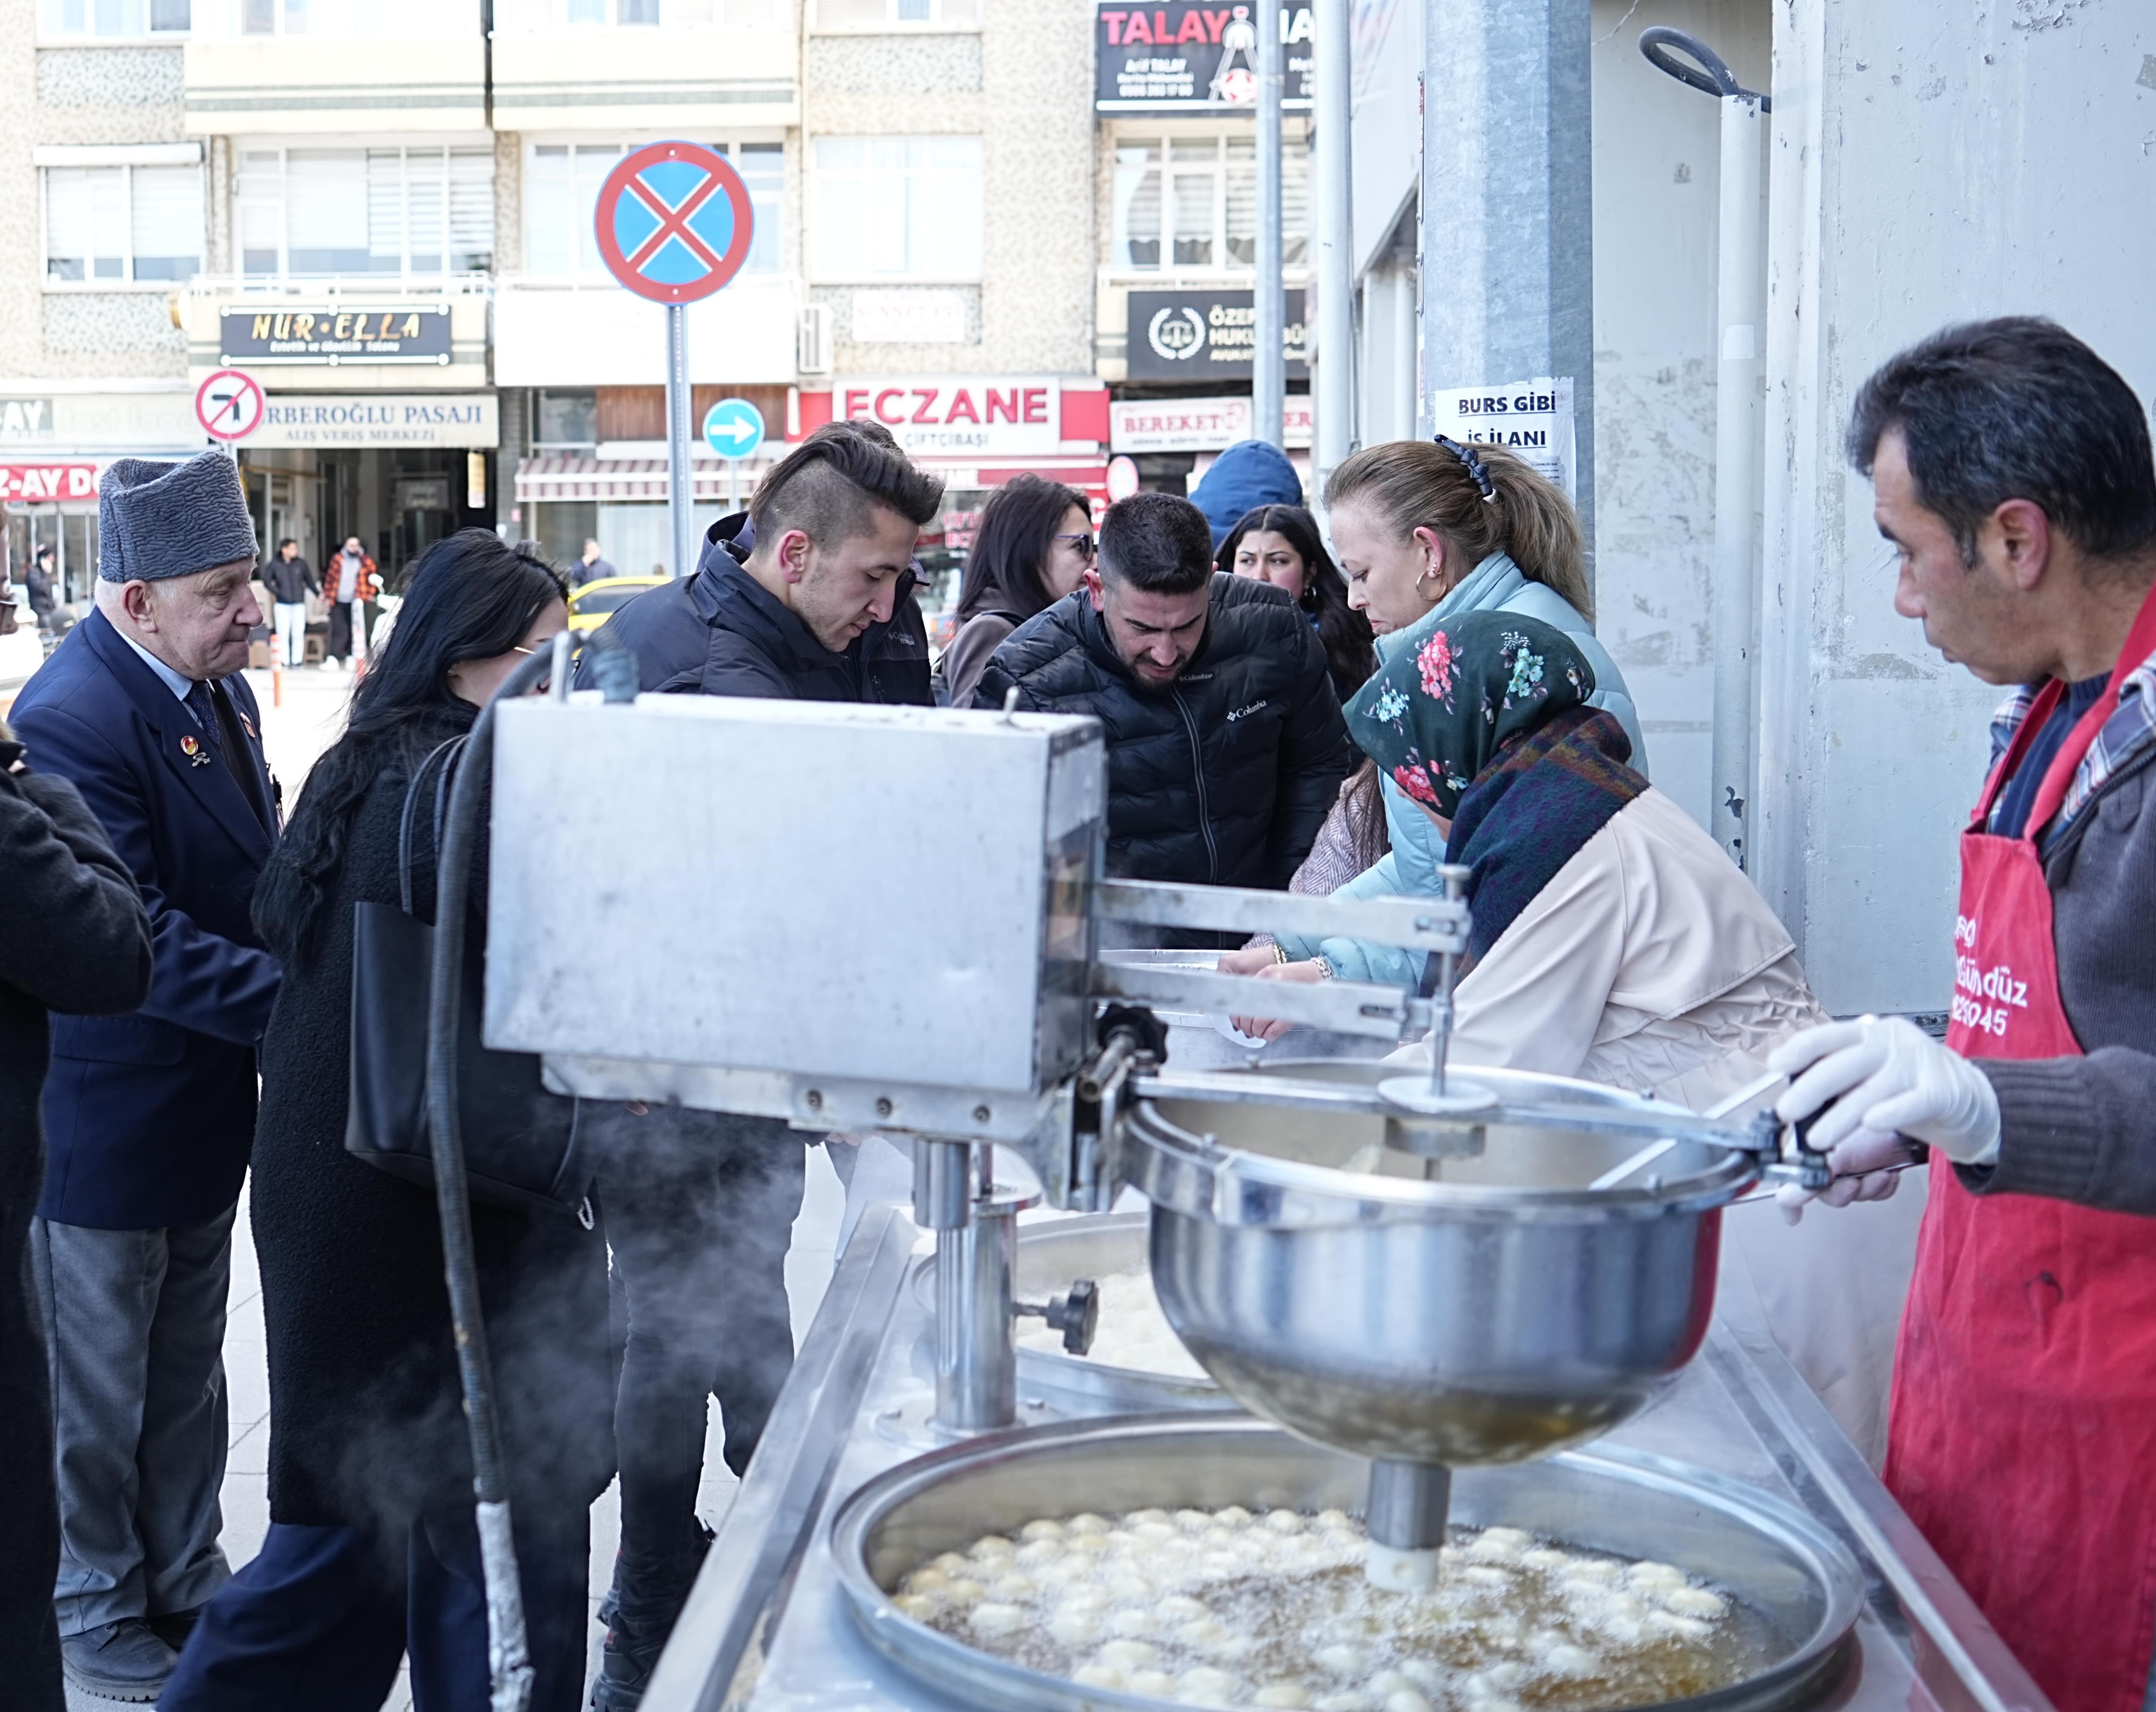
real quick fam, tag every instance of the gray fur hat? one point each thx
(171, 520)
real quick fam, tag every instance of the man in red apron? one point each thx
(2012, 470)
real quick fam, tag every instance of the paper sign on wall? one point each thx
(1532, 418)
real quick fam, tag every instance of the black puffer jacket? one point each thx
(719, 633)
(1221, 778)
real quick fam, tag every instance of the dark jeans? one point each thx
(699, 1210)
(320, 1618)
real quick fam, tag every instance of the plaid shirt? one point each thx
(2130, 729)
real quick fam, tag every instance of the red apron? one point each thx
(2023, 1428)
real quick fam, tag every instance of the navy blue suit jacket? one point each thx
(149, 1117)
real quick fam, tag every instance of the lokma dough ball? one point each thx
(951, 1564)
(1014, 1587)
(1335, 1518)
(1036, 1552)
(927, 1579)
(1206, 1686)
(1129, 1655)
(1695, 1602)
(1422, 1673)
(1133, 1620)
(1097, 1675)
(1234, 1516)
(1406, 1700)
(1139, 1518)
(1281, 1694)
(1568, 1660)
(1545, 1558)
(1656, 1577)
(964, 1592)
(1689, 1628)
(1594, 1568)
(1075, 1628)
(1036, 1531)
(1157, 1684)
(1085, 1522)
(1182, 1607)
(998, 1619)
(1344, 1700)
(992, 1545)
(1342, 1659)
(1284, 1521)
(916, 1607)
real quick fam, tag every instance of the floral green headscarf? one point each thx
(1437, 715)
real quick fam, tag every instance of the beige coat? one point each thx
(1651, 963)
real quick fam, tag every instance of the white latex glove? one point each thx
(1878, 1079)
(1860, 1164)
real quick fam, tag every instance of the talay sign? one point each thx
(1203, 335)
(336, 336)
(996, 416)
(1193, 58)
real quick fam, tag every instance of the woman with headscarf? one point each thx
(1612, 938)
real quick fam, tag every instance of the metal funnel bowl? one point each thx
(1413, 1296)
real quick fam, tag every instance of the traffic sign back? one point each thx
(229, 404)
(734, 428)
(674, 222)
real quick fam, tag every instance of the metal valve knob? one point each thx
(1076, 1314)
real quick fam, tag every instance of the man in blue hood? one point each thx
(1249, 474)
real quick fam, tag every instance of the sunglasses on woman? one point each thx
(1083, 541)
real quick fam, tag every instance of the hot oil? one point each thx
(1227, 1609)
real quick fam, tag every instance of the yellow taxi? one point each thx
(595, 603)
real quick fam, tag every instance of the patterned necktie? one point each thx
(202, 702)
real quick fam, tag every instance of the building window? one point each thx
(604, 12)
(881, 14)
(1192, 202)
(566, 419)
(122, 225)
(560, 199)
(342, 211)
(113, 18)
(898, 207)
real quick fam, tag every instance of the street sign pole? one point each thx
(681, 497)
(674, 222)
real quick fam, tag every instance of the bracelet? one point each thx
(1280, 953)
(1324, 968)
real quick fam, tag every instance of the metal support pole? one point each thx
(1269, 357)
(680, 496)
(1739, 447)
(976, 1250)
(1507, 206)
(1333, 197)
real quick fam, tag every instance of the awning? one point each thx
(619, 480)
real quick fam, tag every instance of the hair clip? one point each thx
(1475, 467)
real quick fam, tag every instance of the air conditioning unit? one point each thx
(813, 343)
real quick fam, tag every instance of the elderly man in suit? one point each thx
(150, 1116)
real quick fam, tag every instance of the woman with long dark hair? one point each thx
(371, 1551)
(1032, 546)
(1280, 545)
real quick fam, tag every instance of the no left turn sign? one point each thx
(229, 405)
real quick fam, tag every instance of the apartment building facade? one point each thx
(198, 184)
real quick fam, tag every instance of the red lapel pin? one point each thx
(197, 755)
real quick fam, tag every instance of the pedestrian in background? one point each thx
(371, 1551)
(146, 709)
(351, 592)
(1249, 474)
(591, 568)
(291, 580)
(77, 942)
(1280, 545)
(1032, 548)
(1225, 744)
(41, 582)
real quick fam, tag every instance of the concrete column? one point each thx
(1507, 204)
(2016, 143)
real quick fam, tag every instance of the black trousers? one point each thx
(699, 1210)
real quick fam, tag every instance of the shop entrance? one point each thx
(399, 503)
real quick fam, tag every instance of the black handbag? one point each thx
(524, 1147)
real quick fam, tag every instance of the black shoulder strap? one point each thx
(444, 753)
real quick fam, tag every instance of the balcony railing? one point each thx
(331, 285)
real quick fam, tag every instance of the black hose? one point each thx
(509, 1656)
(508, 1649)
(1710, 74)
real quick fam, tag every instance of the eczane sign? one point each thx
(994, 416)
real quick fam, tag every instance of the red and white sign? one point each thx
(1196, 424)
(31, 484)
(1001, 416)
(229, 405)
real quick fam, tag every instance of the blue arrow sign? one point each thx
(734, 428)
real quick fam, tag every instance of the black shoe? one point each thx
(174, 1627)
(639, 1620)
(121, 1661)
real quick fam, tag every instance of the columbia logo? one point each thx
(1245, 713)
